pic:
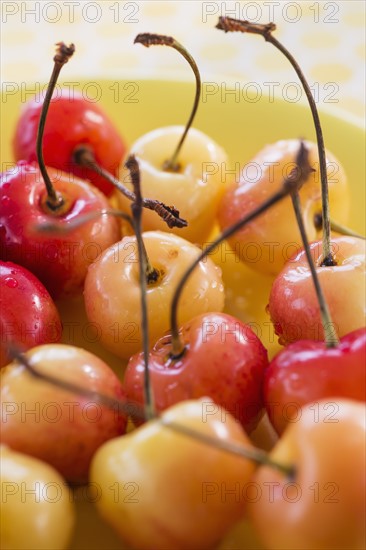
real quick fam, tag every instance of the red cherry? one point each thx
(223, 360)
(308, 371)
(293, 304)
(61, 261)
(28, 315)
(71, 121)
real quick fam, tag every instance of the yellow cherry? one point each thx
(323, 506)
(36, 505)
(195, 188)
(112, 290)
(166, 489)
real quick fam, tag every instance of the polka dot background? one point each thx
(328, 39)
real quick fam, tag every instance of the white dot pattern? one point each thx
(327, 38)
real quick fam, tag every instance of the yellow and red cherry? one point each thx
(36, 505)
(155, 481)
(28, 315)
(222, 359)
(308, 371)
(52, 424)
(322, 506)
(267, 243)
(188, 176)
(293, 305)
(112, 289)
(334, 182)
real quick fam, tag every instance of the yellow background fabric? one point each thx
(327, 38)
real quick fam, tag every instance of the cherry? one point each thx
(72, 121)
(30, 196)
(322, 506)
(186, 175)
(62, 430)
(114, 288)
(60, 262)
(275, 234)
(28, 316)
(223, 359)
(36, 505)
(228, 24)
(308, 371)
(293, 305)
(197, 193)
(167, 472)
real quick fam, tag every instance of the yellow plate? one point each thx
(242, 128)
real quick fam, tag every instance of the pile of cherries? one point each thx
(198, 380)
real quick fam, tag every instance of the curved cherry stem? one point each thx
(330, 335)
(135, 409)
(63, 54)
(84, 156)
(229, 24)
(290, 185)
(148, 39)
(136, 207)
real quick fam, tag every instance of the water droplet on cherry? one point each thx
(11, 282)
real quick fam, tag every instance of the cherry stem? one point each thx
(330, 336)
(256, 455)
(84, 156)
(151, 274)
(59, 228)
(337, 227)
(127, 407)
(135, 409)
(229, 24)
(136, 207)
(63, 54)
(147, 39)
(289, 186)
